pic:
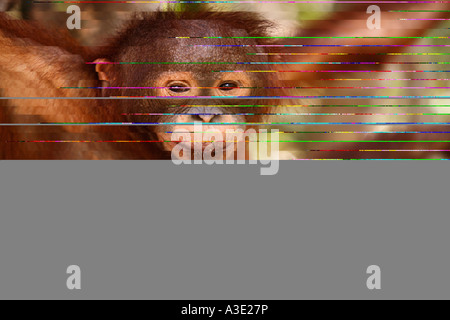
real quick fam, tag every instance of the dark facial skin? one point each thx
(191, 71)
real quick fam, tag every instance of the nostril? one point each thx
(207, 114)
(206, 117)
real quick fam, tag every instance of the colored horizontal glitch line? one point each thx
(237, 1)
(318, 37)
(424, 19)
(315, 87)
(251, 141)
(347, 53)
(315, 105)
(399, 79)
(223, 97)
(380, 150)
(289, 97)
(215, 123)
(286, 114)
(318, 45)
(418, 10)
(356, 159)
(269, 63)
(336, 71)
(336, 132)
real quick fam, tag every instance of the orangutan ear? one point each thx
(103, 67)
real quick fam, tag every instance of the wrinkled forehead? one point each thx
(219, 51)
(199, 46)
(200, 41)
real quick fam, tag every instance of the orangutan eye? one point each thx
(178, 87)
(227, 86)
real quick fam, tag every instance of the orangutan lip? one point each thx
(195, 145)
(204, 145)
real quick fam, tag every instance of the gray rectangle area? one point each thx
(154, 230)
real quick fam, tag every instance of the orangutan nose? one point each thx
(207, 114)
